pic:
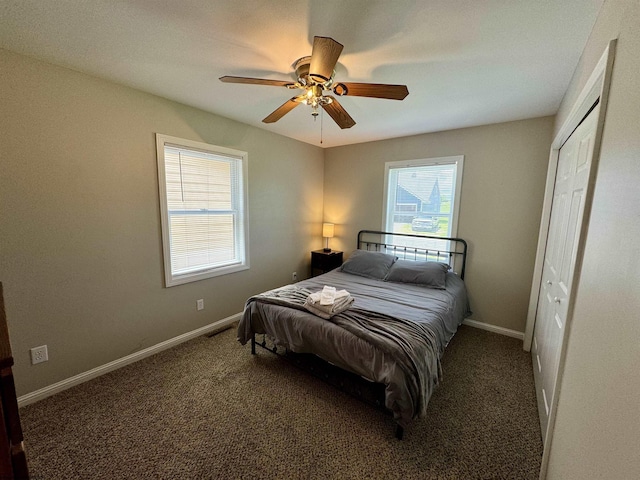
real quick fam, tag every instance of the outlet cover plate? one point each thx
(39, 354)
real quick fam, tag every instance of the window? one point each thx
(431, 187)
(203, 201)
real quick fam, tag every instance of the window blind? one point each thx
(204, 204)
(203, 209)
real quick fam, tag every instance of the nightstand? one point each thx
(322, 262)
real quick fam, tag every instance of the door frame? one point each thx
(595, 89)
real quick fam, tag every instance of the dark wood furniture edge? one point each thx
(13, 457)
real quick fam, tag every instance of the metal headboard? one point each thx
(449, 250)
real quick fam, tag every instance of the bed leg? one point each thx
(399, 432)
(253, 344)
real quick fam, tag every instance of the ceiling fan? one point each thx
(314, 74)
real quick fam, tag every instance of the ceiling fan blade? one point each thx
(375, 90)
(283, 109)
(257, 81)
(324, 57)
(338, 113)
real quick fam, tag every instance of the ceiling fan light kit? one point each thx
(315, 74)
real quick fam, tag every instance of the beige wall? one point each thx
(502, 190)
(80, 248)
(597, 430)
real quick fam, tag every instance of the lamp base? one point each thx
(327, 250)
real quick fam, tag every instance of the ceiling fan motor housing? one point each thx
(301, 69)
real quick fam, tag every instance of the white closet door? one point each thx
(567, 211)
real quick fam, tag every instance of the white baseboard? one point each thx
(121, 362)
(493, 328)
(172, 342)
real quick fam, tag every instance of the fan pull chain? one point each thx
(321, 124)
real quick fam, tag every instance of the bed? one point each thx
(408, 299)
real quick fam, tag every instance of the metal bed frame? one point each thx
(454, 249)
(453, 252)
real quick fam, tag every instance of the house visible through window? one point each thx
(203, 201)
(422, 197)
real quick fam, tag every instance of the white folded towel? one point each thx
(341, 302)
(328, 295)
(316, 297)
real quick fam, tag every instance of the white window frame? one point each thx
(458, 160)
(241, 226)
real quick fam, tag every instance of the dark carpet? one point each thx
(208, 409)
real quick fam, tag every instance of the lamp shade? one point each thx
(327, 230)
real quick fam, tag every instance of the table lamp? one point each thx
(327, 232)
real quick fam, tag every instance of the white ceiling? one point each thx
(465, 62)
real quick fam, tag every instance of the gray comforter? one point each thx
(393, 334)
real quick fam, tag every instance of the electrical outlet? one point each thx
(294, 276)
(200, 304)
(39, 354)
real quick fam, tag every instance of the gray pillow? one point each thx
(428, 274)
(368, 264)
